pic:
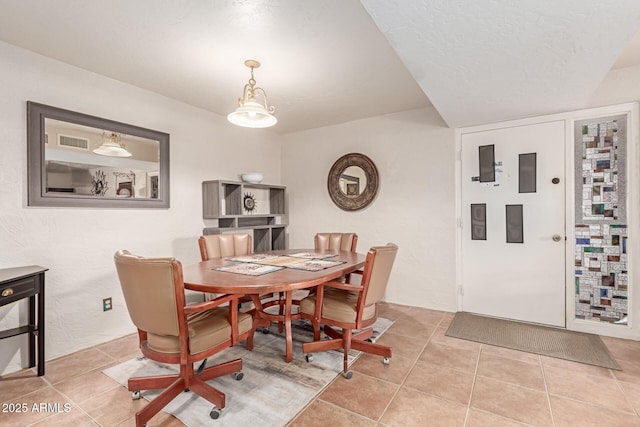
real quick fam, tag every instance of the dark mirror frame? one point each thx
(350, 203)
(36, 173)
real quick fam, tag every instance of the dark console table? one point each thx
(22, 282)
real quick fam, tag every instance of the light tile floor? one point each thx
(433, 380)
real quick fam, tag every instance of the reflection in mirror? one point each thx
(73, 166)
(81, 160)
(353, 181)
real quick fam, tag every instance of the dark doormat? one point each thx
(538, 339)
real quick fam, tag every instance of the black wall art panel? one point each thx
(527, 173)
(487, 159)
(515, 224)
(479, 221)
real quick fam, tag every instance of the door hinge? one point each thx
(460, 290)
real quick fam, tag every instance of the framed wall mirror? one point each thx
(78, 160)
(353, 182)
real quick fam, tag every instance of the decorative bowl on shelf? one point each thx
(252, 177)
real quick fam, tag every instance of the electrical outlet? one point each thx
(106, 304)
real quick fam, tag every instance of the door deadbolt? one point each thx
(556, 237)
(556, 180)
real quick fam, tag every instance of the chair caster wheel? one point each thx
(238, 376)
(308, 358)
(386, 361)
(214, 414)
(265, 331)
(135, 395)
(368, 340)
(347, 374)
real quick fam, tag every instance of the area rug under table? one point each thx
(532, 338)
(271, 392)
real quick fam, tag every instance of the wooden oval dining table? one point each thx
(205, 277)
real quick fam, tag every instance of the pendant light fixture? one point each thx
(250, 113)
(111, 146)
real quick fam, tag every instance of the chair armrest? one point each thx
(217, 302)
(347, 276)
(208, 305)
(345, 286)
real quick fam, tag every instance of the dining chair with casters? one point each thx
(231, 245)
(326, 242)
(170, 331)
(224, 246)
(350, 307)
(336, 242)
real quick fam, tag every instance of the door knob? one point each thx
(556, 237)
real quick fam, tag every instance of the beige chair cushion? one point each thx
(226, 245)
(334, 241)
(206, 329)
(380, 273)
(338, 305)
(148, 289)
(223, 246)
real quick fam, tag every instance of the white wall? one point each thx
(77, 244)
(414, 154)
(415, 208)
(620, 85)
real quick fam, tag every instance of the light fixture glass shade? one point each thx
(111, 146)
(250, 113)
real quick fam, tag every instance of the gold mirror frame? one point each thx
(364, 199)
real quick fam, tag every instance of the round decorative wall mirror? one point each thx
(353, 182)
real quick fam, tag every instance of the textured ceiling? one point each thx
(483, 61)
(323, 62)
(327, 62)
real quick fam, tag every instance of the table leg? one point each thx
(32, 334)
(287, 325)
(41, 327)
(280, 310)
(258, 320)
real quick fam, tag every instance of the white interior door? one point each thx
(523, 281)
